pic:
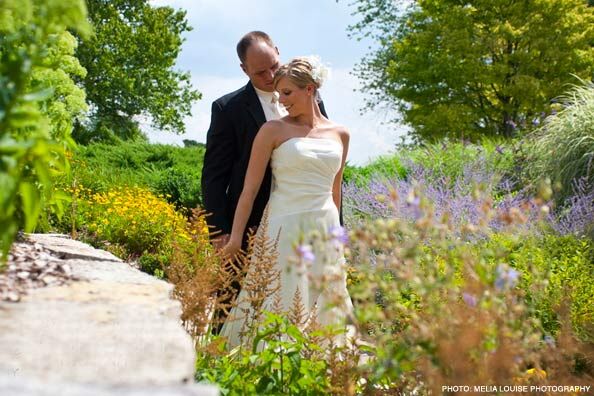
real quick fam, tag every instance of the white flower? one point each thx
(319, 71)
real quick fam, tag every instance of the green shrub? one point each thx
(276, 364)
(180, 186)
(567, 264)
(451, 159)
(153, 264)
(389, 166)
(38, 101)
(166, 170)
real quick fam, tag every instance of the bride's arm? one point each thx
(259, 157)
(337, 185)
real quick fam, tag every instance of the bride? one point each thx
(307, 154)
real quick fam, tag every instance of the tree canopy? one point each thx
(473, 68)
(130, 69)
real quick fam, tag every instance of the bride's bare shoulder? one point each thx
(341, 131)
(277, 125)
(272, 132)
(272, 126)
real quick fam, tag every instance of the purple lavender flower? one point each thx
(413, 199)
(339, 235)
(550, 341)
(469, 299)
(536, 122)
(499, 149)
(305, 253)
(447, 196)
(507, 277)
(576, 215)
(512, 124)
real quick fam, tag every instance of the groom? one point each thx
(235, 120)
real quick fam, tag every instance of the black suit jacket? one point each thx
(235, 121)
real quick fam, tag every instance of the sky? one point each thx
(298, 28)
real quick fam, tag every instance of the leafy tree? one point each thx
(35, 95)
(472, 68)
(191, 143)
(130, 73)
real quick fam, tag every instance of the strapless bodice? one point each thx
(303, 172)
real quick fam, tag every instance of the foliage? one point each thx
(451, 187)
(130, 72)
(133, 222)
(455, 160)
(387, 166)
(57, 69)
(199, 278)
(192, 143)
(282, 352)
(474, 68)
(181, 186)
(575, 216)
(566, 262)
(277, 363)
(173, 172)
(444, 311)
(431, 309)
(447, 160)
(35, 98)
(563, 148)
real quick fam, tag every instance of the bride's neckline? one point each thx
(309, 138)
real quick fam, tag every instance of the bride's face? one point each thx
(295, 99)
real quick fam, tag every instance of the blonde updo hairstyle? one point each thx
(301, 72)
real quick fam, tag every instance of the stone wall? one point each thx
(113, 330)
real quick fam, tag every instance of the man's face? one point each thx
(261, 62)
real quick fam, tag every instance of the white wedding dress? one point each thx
(300, 203)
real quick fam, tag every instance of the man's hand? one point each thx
(220, 242)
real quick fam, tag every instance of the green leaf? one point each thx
(40, 95)
(31, 200)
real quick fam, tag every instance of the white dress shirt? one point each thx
(272, 109)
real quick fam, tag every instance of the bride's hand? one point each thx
(231, 249)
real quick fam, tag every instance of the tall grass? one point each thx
(563, 148)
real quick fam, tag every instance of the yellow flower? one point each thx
(536, 373)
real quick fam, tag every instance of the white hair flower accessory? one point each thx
(319, 71)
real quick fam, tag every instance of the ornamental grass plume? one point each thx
(563, 147)
(261, 281)
(204, 281)
(197, 275)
